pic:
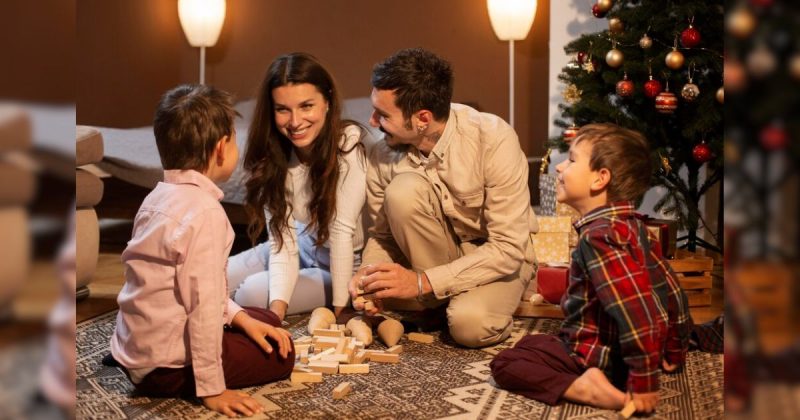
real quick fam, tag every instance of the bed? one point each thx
(130, 167)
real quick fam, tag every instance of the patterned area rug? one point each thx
(432, 381)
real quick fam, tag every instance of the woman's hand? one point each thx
(232, 402)
(258, 331)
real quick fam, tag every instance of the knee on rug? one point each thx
(473, 327)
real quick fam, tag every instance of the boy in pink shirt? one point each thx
(178, 333)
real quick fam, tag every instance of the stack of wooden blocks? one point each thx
(694, 276)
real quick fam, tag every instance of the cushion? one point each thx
(88, 145)
(88, 189)
(18, 186)
(15, 128)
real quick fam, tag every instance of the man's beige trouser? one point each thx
(477, 317)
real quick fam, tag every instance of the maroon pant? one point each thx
(244, 364)
(538, 367)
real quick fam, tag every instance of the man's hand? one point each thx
(390, 280)
(646, 402)
(258, 331)
(232, 402)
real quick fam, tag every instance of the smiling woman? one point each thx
(306, 184)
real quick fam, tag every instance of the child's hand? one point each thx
(645, 402)
(232, 402)
(668, 367)
(257, 331)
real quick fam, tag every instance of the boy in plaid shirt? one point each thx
(626, 318)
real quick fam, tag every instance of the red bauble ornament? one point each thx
(652, 88)
(598, 12)
(701, 153)
(581, 57)
(774, 137)
(625, 87)
(666, 102)
(690, 37)
(570, 133)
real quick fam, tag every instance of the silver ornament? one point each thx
(690, 92)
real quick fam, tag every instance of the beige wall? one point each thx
(133, 50)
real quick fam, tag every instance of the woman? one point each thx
(307, 187)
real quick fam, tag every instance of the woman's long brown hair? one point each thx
(267, 154)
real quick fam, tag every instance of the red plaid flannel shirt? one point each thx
(623, 297)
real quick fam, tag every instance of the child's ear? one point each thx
(601, 180)
(219, 151)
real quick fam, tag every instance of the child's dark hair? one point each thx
(625, 153)
(420, 79)
(189, 121)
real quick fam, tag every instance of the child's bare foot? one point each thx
(593, 388)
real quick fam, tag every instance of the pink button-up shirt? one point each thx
(175, 302)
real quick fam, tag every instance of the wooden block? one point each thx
(359, 357)
(340, 358)
(303, 340)
(350, 351)
(382, 357)
(341, 327)
(396, 349)
(420, 338)
(354, 368)
(684, 263)
(527, 309)
(301, 368)
(326, 342)
(324, 367)
(319, 355)
(298, 348)
(342, 345)
(628, 410)
(368, 305)
(302, 377)
(328, 333)
(304, 356)
(342, 390)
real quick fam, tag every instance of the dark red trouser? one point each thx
(538, 367)
(244, 364)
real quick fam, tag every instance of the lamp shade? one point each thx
(201, 20)
(511, 19)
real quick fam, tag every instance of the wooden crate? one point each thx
(694, 276)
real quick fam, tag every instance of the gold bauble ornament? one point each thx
(615, 25)
(690, 91)
(646, 42)
(741, 22)
(761, 62)
(604, 5)
(734, 75)
(614, 58)
(721, 95)
(674, 59)
(794, 66)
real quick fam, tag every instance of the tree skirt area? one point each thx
(432, 381)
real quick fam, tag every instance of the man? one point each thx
(448, 195)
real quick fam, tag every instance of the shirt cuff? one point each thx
(209, 381)
(441, 281)
(231, 310)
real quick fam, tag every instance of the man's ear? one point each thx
(424, 116)
(601, 180)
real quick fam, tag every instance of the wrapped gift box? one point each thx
(551, 282)
(551, 243)
(547, 195)
(567, 210)
(666, 231)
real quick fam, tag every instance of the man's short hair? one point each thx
(420, 80)
(189, 121)
(625, 153)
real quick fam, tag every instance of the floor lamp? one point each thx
(511, 20)
(201, 21)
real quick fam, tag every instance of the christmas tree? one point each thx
(657, 69)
